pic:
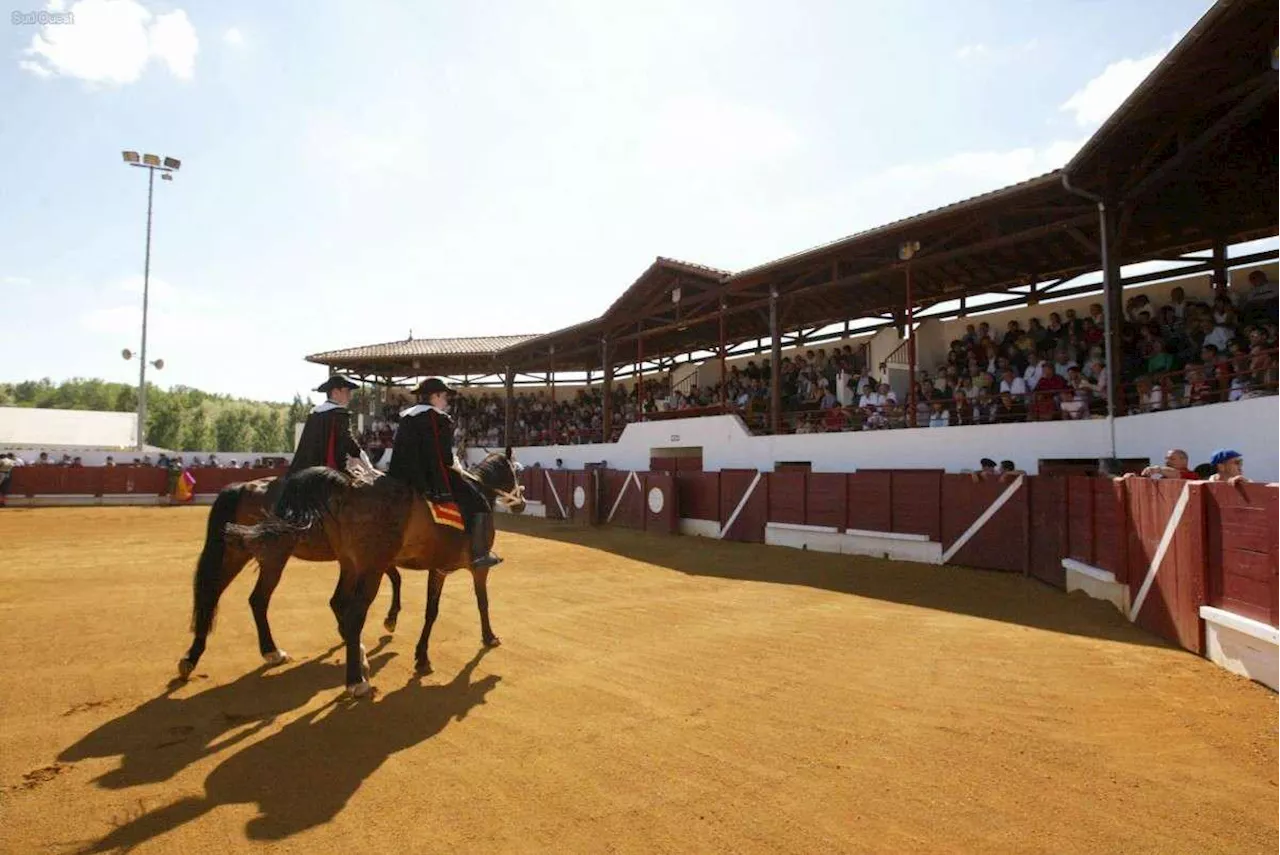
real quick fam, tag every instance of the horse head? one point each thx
(499, 475)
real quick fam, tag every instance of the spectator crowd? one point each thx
(1186, 352)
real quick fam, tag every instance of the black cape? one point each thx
(326, 441)
(423, 454)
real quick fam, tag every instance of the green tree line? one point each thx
(180, 418)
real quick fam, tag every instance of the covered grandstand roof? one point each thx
(418, 356)
(1191, 157)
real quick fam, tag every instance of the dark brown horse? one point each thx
(221, 561)
(371, 527)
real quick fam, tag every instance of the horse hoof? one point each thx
(361, 689)
(389, 624)
(185, 667)
(275, 657)
(493, 641)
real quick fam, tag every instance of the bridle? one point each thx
(514, 496)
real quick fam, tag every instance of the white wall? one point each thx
(1250, 427)
(27, 426)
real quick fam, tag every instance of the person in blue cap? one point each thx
(1228, 466)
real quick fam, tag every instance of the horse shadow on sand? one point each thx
(302, 776)
(164, 735)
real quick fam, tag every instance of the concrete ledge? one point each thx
(85, 501)
(817, 538)
(699, 528)
(1097, 583)
(1243, 646)
(887, 535)
(829, 529)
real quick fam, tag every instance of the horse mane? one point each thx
(487, 471)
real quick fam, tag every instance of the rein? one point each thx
(507, 497)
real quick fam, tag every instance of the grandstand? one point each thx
(1174, 190)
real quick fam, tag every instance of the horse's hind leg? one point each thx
(269, 572)
(480, 578)
(435, 584)
(356, 597)
(390, 623)
(229, 563)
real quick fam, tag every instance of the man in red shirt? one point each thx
(1175, 466)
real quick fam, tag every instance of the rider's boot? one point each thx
(481, 530)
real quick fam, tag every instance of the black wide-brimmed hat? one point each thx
(337, 381)
(430, 386)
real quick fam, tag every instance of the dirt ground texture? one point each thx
(652, 694)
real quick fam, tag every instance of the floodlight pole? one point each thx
(146, 293)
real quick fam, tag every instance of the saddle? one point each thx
(446, 513)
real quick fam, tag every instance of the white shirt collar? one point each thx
(325, 407)
(421, 408)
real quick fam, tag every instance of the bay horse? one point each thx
(221, 561)
(372, 526)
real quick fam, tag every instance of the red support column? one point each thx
(911, 356)
(606, 358)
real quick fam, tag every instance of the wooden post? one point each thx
(723, 392)
(1113, 306)
(551, 376)
(608, 389)
(640, 368)
(509, 418)
(1220, 261)
(775, 371)
(911, 356)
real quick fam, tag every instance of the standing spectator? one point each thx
(1176, 466)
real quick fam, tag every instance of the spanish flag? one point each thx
(186, 488)
(446, 513)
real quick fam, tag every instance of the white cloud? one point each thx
(972, 51)
(969, 173)
(1099, 98)
(980, 51)
(233, 37)
(16, 281)
(112, 42)
(389, 141)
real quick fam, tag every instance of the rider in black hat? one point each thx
(326, 437)
(423, 457)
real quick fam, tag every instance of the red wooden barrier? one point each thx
(535, 484)
(1110, 524)
(629, 500)
(1171, 607)
(698, 495)
(215, 480)
(659, 502)
(557, 499)
(787, 496)
(57, 481)
(870, 504)
(1001, 544)
(1048, 515)
(1241, 547)
(750, 520)
(917, 503)
(1080, 519)
(131, 480)
(826, 499)
(584, 493)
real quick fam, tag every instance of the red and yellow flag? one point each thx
(446, 513)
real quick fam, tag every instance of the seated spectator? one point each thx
(1012, 384)
(939, 417)
(987, 470)
(1008, 409)
(1071, 407)
(1159, 362)
(1175, 466)
(1228, 466)
(1150, 396)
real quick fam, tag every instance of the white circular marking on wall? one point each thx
(656, 500)
(579, 497)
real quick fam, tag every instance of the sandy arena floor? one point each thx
(652, 695)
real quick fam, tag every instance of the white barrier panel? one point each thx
(1243, 646)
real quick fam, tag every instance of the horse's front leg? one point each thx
(394, 612)
(435, 584)
(480, 578)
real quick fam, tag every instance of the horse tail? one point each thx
(208, 579)
(307, 497)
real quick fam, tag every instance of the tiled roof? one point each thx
(1047, 178)
(423, 347)
(695, 268)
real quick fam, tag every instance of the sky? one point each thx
(352, 172)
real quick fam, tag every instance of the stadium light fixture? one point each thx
(166, 167)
